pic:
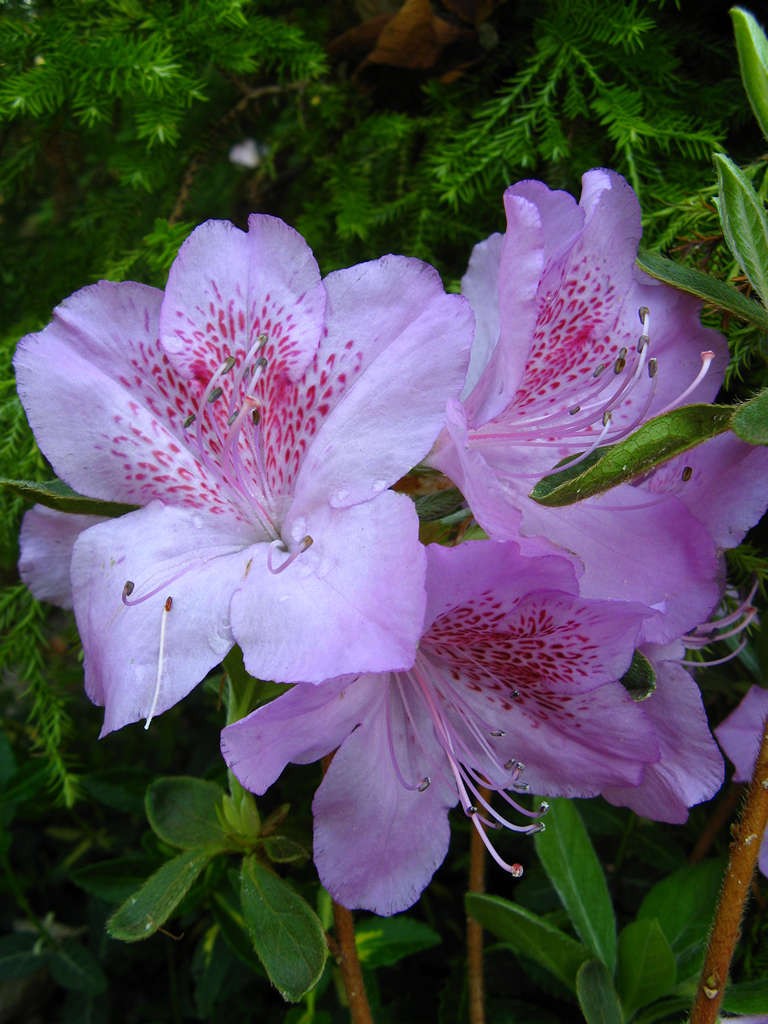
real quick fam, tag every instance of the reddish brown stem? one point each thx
(738, 878)
(352, 975)
(475, 975)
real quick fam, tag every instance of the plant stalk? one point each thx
(475, 975)
(745, 847)
(351, 973)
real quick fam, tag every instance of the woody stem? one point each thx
(738, 878)
(475, 977)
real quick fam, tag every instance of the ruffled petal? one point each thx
(377, 843)
(143, 657)
(299, 727)
(397, 349)
(46, 542)
(226, 288)
(690, 768)
(351, 602)
(105, 405)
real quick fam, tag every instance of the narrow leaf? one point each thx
(285, 931)
(647, 969)
(747, 997)
(19, 957)
(182, 811)
(568, 857)
(151, 905)
(76, 968)
(56, 494)
(383, 941)
(657, 441)
(750, 420)
(597, 996)
(720, 294)
(529, 935)
(752, 46)
(683, 903)
(745, 224)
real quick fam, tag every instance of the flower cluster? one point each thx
(257, 416)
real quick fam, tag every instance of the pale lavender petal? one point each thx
(562, 218)
(741, 733)
(378, 843)
(226, 288)
(352, 602)
(140, 658)
(726, 490)
(299, 727)
(690, 768)
(517, 283)
(104, 404)
(397, 349)
(480, 286)
(46, 542)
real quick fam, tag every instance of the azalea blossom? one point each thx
(575, 348)
(258, 416)
(740, 736)
(515, 687)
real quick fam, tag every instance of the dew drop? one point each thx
(340, 496)
(378, 485)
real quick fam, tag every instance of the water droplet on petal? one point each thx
(340, 496)
(378, 485)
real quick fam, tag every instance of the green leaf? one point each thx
(151, 905)
(383, 941)
(747, 997)
(184, 811)
(283, 850)
(750, 420)
(76, 968)
(529, 935)
(56, 494)
(720, 294)
(568, 857)
(597, 996)
(745, 224)
(640, 678)
(285, 931)
(752, 46)
(19, 957)
(683, 903)
(657, 441)
(646, 970)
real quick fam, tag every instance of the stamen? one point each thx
(189, 420)
(306, 542)
(706, 362)
(128, 588)
(167, 605)
(687, 473)
(653, 367)
(214, 395)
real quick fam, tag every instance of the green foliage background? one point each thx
(116, 121)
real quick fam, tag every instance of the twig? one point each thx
(352, 975)
(475, 976)
(738, 878)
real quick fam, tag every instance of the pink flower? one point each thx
(258, 415)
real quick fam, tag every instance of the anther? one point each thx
(599, 369)
(189, 420)
(607, 417)
(262, 340)
(516, 870)
(543, 807)
(643, 312)
(425, 783)
(687, 473)
(261, 363)
(168, 603)
(574, 409)
(231, 419)
(642, 341)
(304, 543)
(620, 364)
(470, 810)
(498, 732)
(128, 587)
(256, 417)
(539, 827)
(653, 367)
(216, 393)
(229, 362)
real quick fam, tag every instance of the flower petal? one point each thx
(104, 404)
(397, 349)
(377, 844)
(140, 658)
(352, 602)
(741, 733)
(226, 288)
(299, 727)
(46, 542)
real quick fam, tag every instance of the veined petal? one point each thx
(397, 349)
(689, 769)
(480, 286)
(377, 843)
(46, 541)
(353, 601)
(105, 405)
(226, 288)
(143, 656)
(298, 727)
(741, 733)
